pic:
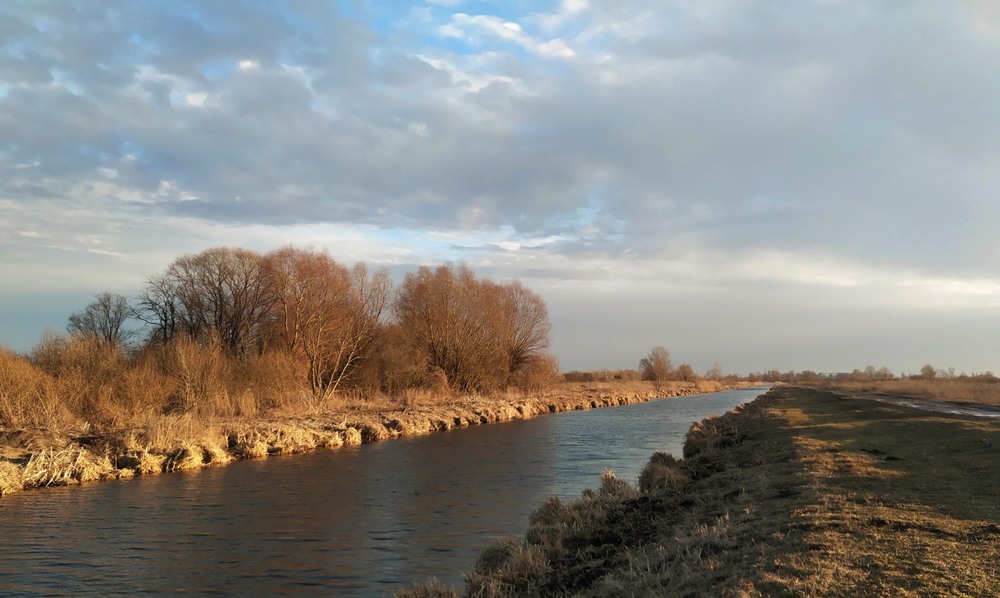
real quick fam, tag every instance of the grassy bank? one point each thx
(41, 457)
(802, 492)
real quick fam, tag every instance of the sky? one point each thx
(766, 185)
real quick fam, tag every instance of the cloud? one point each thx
(836, 146)
(467, 27)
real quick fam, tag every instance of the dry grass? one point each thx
(28, 397)
(909, 501)
(954, 390)
(63, 467)
(803, 492)
(11, 478)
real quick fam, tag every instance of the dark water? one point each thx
(353, 521)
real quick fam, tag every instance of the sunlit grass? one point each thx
(804, 492)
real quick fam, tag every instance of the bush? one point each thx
(88, 376)
(202, 375)
(539, 373)
(27, 397)
(662, 473)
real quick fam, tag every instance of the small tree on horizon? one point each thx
(656, 366)
(686, 373)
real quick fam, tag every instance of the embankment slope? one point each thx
(801, 492)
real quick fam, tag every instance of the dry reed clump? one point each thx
(174, 442)
(290, 439)
(352, 436)
(11, 478)
(260, 440)
(193, 455)
(67, 466)
(149, 463)
(248, 445)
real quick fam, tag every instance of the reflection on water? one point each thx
(357, 520)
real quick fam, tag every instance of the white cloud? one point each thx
(765, 161)
(495, 27)
(552, 22)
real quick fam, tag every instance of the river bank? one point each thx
(35, 458)
(801, 492)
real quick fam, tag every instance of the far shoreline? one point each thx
(34, 459)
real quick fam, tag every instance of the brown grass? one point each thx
(803, 492)
(63, 467)
(954, 390)
(28, 397)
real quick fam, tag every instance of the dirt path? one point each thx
(931, 405)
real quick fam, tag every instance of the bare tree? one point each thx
(525, 323)
(360, 322)
(159, 307)
(656, 366)
(326, 313)
(219, 295)
(435, 317)
(476, 331)
(103, 320)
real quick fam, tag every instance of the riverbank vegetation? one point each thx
(39, 456)
(801, 492)
(230, 354)
(232, 333)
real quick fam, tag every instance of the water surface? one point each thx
(353, 521)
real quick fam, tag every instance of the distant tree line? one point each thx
(343, 328)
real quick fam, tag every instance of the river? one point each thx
(352, 521)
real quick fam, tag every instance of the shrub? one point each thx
(26, 395)
(662, 473)
(202, 375)
(88, 376)
(538, 373)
